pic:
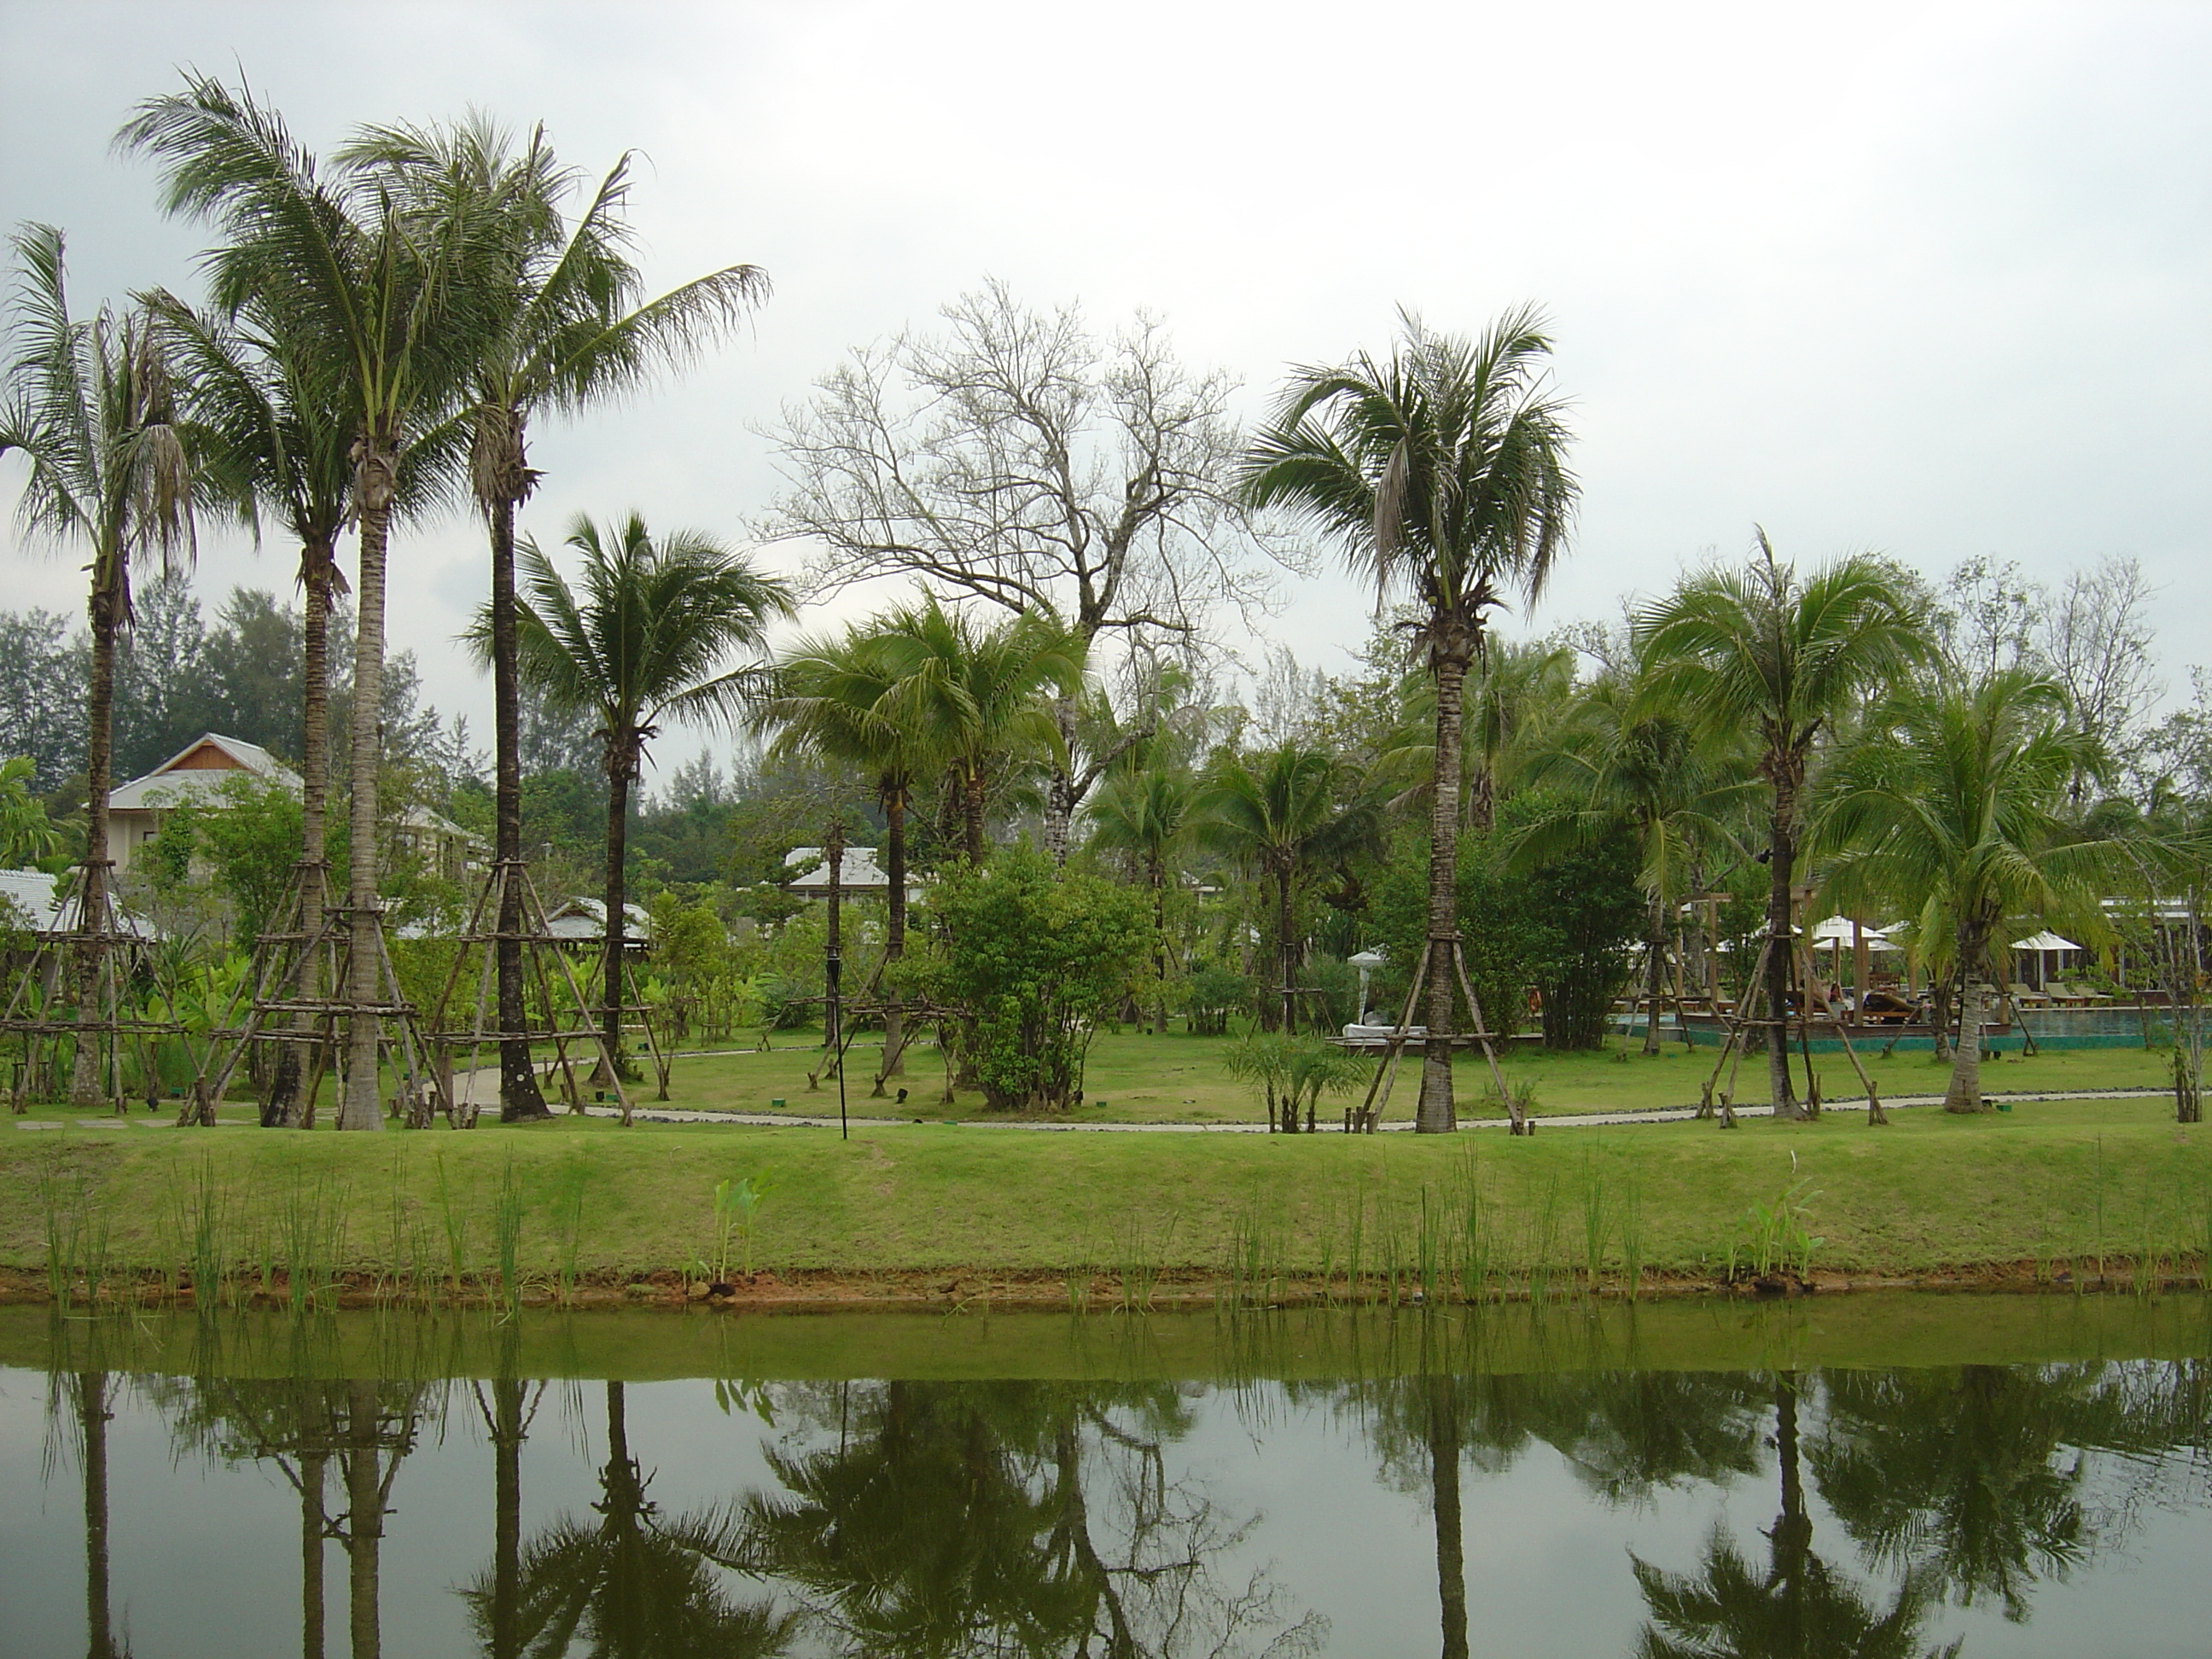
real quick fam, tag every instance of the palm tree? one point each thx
(1669, 784)
(392, 304)
(568, 327)
(1521, 689)
(644, 639)
(1955, 805)
(89, 401)
(1279, 815)
(1442, 471)
(838, 699)
(279, 423)
(1760, 652)
(629, 1584)
(1801, 1607)
(981, 690)
(1151, 815)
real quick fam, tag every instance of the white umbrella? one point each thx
(2046, 940)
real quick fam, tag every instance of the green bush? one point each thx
(1033, 957)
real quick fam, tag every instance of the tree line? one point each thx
(1077, 526)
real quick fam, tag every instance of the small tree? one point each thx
(1034, 958)
(1294, 1073)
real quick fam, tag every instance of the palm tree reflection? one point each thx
(634, 1584)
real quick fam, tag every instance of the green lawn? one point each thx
(2073, 1180)
(1178, 1078)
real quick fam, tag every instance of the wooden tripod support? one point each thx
(1731, 1054)
(1363, 1118)
(39, 1010)
(536, 935)
(277, 1013)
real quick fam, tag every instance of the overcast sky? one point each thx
(1926, 279)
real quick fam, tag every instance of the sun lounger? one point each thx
(2028, 997)
(2065, 997)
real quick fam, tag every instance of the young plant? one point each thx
(737, 1200)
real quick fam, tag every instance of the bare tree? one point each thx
(1985, 617)
(2096, 638)
(1013, 457)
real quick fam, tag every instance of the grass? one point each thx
(2073, 1187)
(1179, 1078)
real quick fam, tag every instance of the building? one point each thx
(584, 922)
(859, 875)
(196, 771)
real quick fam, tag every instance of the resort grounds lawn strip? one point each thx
(2064, 1191)
(1179, 1078)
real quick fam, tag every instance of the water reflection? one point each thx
(913, 1518)
(1031, 1518)
(631, 1584)
(359, 1431)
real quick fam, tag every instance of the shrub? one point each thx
(1032, 957)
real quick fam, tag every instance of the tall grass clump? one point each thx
(311, 1226)
(507, 1236)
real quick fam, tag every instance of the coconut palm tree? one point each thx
(981, 689)
(1679, 793)
(1442, 473)
(1282, 814)
(89, 403)
(630, 1583)
(1764, 653)
(647, 636)
(1799, 1606)
(1151, 816)
(278, 422)
(1521, 689)
(568, 327)
(836, 698)
(1955, 806)
(393, 304)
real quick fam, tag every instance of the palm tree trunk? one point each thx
(506, 1521)
(1782, 860)
(521, 1099)
(375, 469)
(621, 766)
(971, 812)
(312, 1526)
(1964, 1093)
(1436, 1114)
(364, 1537)
(110, 603)
(91, 1429)
(894, 934)
(1286, 947)
(1655, 976)
(1792, 1537)
(287, 1092)
(1157, 871)
(1444, 1488)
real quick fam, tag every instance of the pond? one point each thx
(1892, 1474)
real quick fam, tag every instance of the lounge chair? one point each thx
(2027, 996)
(2066, 998)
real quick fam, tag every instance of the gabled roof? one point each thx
(858, 870)
(35, 897)
(587, 918)
(198, 768)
